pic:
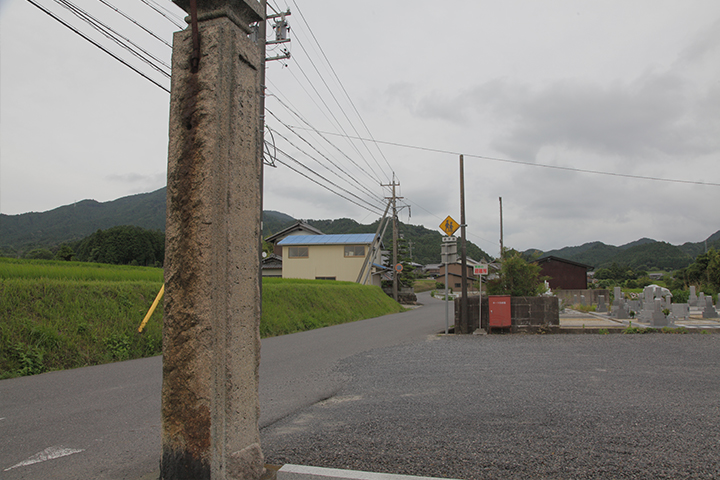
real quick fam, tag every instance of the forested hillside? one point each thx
(644, 254)
(21, 233)
(45, 232)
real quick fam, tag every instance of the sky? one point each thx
(535, 95)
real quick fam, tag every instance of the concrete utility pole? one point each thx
(394, 199)
(464, 313)
(211, 341)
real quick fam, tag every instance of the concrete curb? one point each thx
(301, 472)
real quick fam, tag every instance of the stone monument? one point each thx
(211, 341)
(709, 311)
(601, 307)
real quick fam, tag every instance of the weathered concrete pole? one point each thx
(211, 342)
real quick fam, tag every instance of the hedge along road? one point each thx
(103, 422)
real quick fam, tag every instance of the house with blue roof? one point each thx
(331, 257)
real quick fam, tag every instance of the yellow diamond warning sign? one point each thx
(449, 226)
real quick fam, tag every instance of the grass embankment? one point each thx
(59, 315)
(425, 285)
(291, 305)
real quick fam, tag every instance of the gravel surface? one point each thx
(516, 406)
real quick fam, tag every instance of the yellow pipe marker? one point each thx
(152, 308)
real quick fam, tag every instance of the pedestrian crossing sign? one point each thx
(449, 226)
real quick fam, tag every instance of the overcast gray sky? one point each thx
(629, 88)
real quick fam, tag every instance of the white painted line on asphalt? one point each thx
(302, 472)
(49, 453)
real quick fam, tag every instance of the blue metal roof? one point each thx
(349, 239)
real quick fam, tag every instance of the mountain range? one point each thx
(71, 223)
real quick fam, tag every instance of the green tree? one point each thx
(517, 278)
(40, 254)
(65, 253)
(713, 269)
(407, 277)
(124, 245)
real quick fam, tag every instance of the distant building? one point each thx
(297, 228)
(455, 275)
(329, 257)
(564, 274)
(272, 266)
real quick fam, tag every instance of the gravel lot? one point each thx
(516, 406)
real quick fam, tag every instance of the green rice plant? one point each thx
(54, 269)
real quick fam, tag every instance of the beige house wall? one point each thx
(325, 261)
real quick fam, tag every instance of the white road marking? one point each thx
(49, 453)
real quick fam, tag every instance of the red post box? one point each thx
(499, 306)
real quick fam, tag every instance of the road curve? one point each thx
(103, 422)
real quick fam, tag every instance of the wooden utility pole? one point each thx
(464, 313)
(211, 340)
(502, 249)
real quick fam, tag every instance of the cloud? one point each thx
(655, 114)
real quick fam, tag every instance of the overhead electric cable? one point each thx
(319, 175)
(300, 44)
(116, 57)
(168, 16)
(341, 84)
(337, 122)
(300, 117)
(529, 164)
(111, 34)
(318, 183)
(351, 177)
(147, 30)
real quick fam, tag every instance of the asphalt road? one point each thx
(519, 407)
(103, 422)
(388, 395)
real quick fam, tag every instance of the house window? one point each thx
(458, 285)
(354, 250)
(324, 278)
(297, 252)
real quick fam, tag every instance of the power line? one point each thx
(147, 30)
(170, 16)
(299, 117)
(338, 104)
(318, 183)
(317, 174)
(113, 35)
(525, 163)
(377, 177)
(116, 57)
(352, 177)
(341, 84)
